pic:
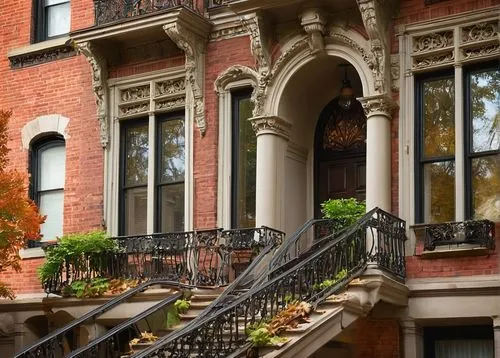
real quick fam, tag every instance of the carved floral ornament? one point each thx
(99, 79)
(379, 105)
(271, 125)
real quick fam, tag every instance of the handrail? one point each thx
(52, 341)
(341, 259)
(86, 350)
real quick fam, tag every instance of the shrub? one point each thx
(81, 250)
(345, 212)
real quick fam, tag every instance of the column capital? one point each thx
(379, 105)
(496, 323)
(271, 125)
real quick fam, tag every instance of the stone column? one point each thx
(378, 151)
(412, 339)
(272, 136)
(496, 335)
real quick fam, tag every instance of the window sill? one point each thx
(32, 253)
(41, 52)
(462, 250)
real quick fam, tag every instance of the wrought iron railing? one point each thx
(107, 11)
(216, 3)
(53, 345)
(480, 233)
(378, 237)
(203, 258)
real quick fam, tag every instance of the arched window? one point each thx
(47, 168)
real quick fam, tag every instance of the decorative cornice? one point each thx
(379, 105)
(233, 74)
(41, 56)
(228, 32)
(191, 38)
(271, 125)
(99, 78)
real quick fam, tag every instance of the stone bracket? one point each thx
(313, 21)
(259, 30)
(99, 83)
(376, 15)
(190, 33)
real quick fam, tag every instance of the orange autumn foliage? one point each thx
(19, 217)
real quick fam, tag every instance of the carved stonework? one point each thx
(433, 41)
(194, 50)
(6, 325)
(135, 93)
(99, 78)
(470, 53)
(170, 103)
(39, 57)
(235, 73)
(170, 87)
(271, 125)
(380, 105)
(434, 60)
(313, 21)
(136, 108)
(376, 15)
(258, 29)
(395, 72)
(228, 32)
(479, 32)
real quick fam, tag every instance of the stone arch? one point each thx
(339, 42)
(44, 125)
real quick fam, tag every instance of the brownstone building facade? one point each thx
(140, 117)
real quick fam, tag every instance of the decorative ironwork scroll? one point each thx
(481, 233)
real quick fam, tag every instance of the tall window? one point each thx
(479, 141)
(168, 161)
(48, 167)
(244, 160)
(52, 18)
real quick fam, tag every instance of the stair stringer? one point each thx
(338, 312)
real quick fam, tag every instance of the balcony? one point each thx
(203, 258)
(108, 11)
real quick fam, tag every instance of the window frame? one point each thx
(36, 147)
(157, 160)
(237, 96)
(122, 161)
(465, 142)
(40, 28)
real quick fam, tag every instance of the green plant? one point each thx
(330, 282)
(81, 250)
(91, 288)
(173, 313)
(344, 212)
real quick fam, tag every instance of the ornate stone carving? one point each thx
(376, 16)
(259, 40)
(434, 60)
(6, 325)
(395, 72)
(135, 108)
(39, 57)
(271, 125)
(135, 93)
(170, 87)
(228, 32)
(170, 103)
(235, 73)
(378, 105)
(194, 50)
(479, 32)
(470, 53)
(99, 78)
(313, 21)
(433, 41)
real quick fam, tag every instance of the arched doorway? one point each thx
(340, 147)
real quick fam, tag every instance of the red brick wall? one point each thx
(376, 338)
(220, 56)
(59, 87)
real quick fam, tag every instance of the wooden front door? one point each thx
(340, 154)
